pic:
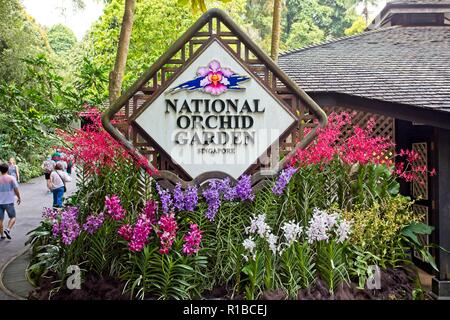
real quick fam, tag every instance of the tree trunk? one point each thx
(116, 76)
(276, 30)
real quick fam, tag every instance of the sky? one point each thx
(50, 12)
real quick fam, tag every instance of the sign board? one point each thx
(214, 106)
(215, 115)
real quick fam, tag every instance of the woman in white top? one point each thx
(57, 181)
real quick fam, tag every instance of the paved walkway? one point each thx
(34, 199)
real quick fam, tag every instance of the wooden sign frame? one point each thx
(119, 119)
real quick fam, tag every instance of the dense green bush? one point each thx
(30, 114)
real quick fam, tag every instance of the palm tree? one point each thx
(116, 76)
(276, 30)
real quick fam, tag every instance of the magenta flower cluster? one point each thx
(150, 211)
(65, 225)
(138, 235)
(126, 231)
(114, 208)
(93, 223)
(283, 180)
(192, 240)
(141, 232)
(68, 227)
(167, 232)
(179, 200)
(242, 191)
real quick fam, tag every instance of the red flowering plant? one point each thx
(359, 147)
(93, 147)
(351, 165)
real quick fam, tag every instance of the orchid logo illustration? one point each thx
(213, 79)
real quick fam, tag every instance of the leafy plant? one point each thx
(163, 276)
(411, 232)
(254, 269)
(331, 264)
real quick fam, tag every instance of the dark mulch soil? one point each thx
(92, 288)
(395, 284)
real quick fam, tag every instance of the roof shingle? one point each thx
(409, 65)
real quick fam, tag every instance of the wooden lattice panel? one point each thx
(419, 187)
(171, 64)
(384, 125)
(424, 212)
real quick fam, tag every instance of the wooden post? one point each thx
(441, 283)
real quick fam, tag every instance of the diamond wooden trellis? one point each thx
(419, 187)
(384, 125)
(118, 120)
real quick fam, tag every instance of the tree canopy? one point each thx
(20, 37)
(61, 38)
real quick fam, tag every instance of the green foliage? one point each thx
(378, 230)
(172, 276)
(412, 232)
(254, 269)
(20, 38)
(297, 268)
(92, 82)
(304, 34)
(198, 5)
(305, 264)
(61, 38)
(361, 260)
(157, 24)
(304, 22)
(45, 255)
(31, 112)
(358, 26)
(331, 264)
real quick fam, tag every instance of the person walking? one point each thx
(57, 184)
(69, 164)
(63, 162)
(56, 156)
(13, 169)
(8, 189)
(48, 166)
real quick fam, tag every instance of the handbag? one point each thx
(65, 189)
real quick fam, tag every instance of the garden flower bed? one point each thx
(313, 234)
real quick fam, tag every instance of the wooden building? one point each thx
(398, 71)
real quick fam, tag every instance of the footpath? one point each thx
(13, 284)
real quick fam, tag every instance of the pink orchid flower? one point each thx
(215, 79)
